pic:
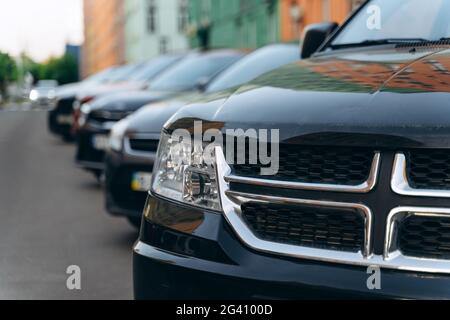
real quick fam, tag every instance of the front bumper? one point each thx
(121, 200)
(87, 156)
(189, 253)
(59, 122)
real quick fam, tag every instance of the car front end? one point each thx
(128, 173)
(60, 117)
(131, 155)
(96, 120)
(297, 237)
(358, 208)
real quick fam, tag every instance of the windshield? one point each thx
(100, 76)
(151, 69)
(398, 19)
(122, 73)
(254, 65)
(47, 84)
(186, 74)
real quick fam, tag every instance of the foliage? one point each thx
(8, 71)
(63, 69)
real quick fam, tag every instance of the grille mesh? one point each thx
(425, 237)
(146, 145)
(429, 169)
(344, 166)
(325, 228)
(105, 116)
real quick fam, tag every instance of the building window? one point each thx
(151, 16)
(163, 45)
(183, 15)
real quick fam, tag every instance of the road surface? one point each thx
(52, 216)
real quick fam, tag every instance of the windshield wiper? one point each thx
(367, 43)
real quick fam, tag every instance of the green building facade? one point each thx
(234, 23)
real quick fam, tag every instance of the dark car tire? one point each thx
(135, 222)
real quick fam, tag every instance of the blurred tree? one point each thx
(63, 69)
(34, 68)
(8, 71)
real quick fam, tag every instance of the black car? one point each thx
(133, 143)
(60, 116)
(115, 79)
(101, 114)
(359, 206)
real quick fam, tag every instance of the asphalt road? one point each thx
(52, 216)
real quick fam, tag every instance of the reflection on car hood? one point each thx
(129, 100)
(69, 90)
(99, 90)
(385, 98)
(151, 118)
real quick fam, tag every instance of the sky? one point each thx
(41, 28)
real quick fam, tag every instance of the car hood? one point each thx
(100, 90)
(151, 117)
(128, 101)
(382, 98)
(69, 90)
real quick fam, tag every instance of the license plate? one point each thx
(64, 119)
(100, 142)
(141, 181)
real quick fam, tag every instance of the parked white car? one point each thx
(44, 93)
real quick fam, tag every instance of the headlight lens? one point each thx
(184, 174)
(83, 114)
(34, 95)
(117, 135)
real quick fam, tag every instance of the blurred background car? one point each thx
(128, 78)
(60, 117)
(134, 140)
(96, 119)
(44, 93)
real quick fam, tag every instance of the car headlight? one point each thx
(34, 95)
(117, 135)
(84, 112)
(184, 174)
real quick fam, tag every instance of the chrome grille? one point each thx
(425, 237)
(428, 169)
(270, 223)
(324, 165)
(107, 116)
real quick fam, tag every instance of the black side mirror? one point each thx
(202, 84)
(315, 36)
